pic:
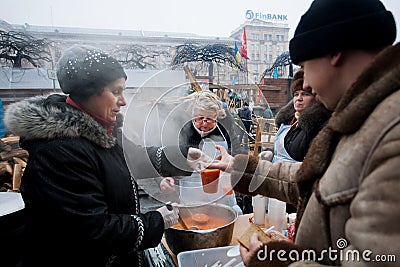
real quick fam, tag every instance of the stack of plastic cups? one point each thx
(259, 210)
(277, 214)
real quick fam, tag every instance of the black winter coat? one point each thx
(82, 203)
(310, 123)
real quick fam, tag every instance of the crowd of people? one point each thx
(334, 162)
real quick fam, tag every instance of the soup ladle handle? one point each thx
(180, 220)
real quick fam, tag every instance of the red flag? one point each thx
(243, 50)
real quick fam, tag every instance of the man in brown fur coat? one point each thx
(346, 189)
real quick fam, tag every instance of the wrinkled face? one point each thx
(108, 103)
(302, 100)
(205, 121)
(322, 77)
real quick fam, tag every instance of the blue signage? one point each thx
(265, 16)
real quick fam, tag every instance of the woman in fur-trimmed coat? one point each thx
(81, 200)
(346, 189)
(298, 122)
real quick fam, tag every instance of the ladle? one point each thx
(181, 221)
(184, 225)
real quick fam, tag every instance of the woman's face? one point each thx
(108, 103)
(205, 121)
(303, 100)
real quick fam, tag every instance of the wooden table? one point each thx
(240, 226)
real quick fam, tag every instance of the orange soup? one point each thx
(209, 178)
(203, 224)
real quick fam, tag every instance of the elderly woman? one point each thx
(209, 121)
(210, 125)
(81, 201)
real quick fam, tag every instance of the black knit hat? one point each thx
(330, 26)
(85, 70)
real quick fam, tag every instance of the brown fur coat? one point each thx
(346, 189)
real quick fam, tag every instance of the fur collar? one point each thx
(310, 119)
(377, 82)
(50, 117)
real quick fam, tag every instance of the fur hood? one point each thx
(310, 119)
(50, 117)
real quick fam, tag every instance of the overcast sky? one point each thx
(204, 17)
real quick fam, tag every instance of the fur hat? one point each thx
(330, 26)
(297, 83)
(85, 70)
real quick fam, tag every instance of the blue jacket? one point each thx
(3, 129)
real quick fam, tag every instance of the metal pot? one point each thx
(184, 240)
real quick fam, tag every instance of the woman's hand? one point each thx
(223, 161)
(167, 185)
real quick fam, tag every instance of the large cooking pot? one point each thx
(183, 240)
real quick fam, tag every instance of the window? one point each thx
(267, 37)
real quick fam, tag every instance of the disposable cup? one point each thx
(226, 183)
(277, 214)
(209, 179)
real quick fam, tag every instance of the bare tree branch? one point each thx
(17, 46)
(137, 56)
(281, 61)
(218, 53)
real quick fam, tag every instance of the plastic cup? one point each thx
(258, 202)
(209, 179)
(226, 183)
(277, 214)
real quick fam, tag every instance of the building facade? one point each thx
(265, 42)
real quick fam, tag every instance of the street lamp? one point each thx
(52, 73)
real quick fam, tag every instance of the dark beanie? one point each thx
(85, 70)
(331, 26)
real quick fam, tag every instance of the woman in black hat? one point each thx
(81, 201)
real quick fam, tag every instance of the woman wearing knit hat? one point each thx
(346, 189)
(81, 201)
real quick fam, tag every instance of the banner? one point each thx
(244, 45)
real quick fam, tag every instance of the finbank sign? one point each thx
(250, 14)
